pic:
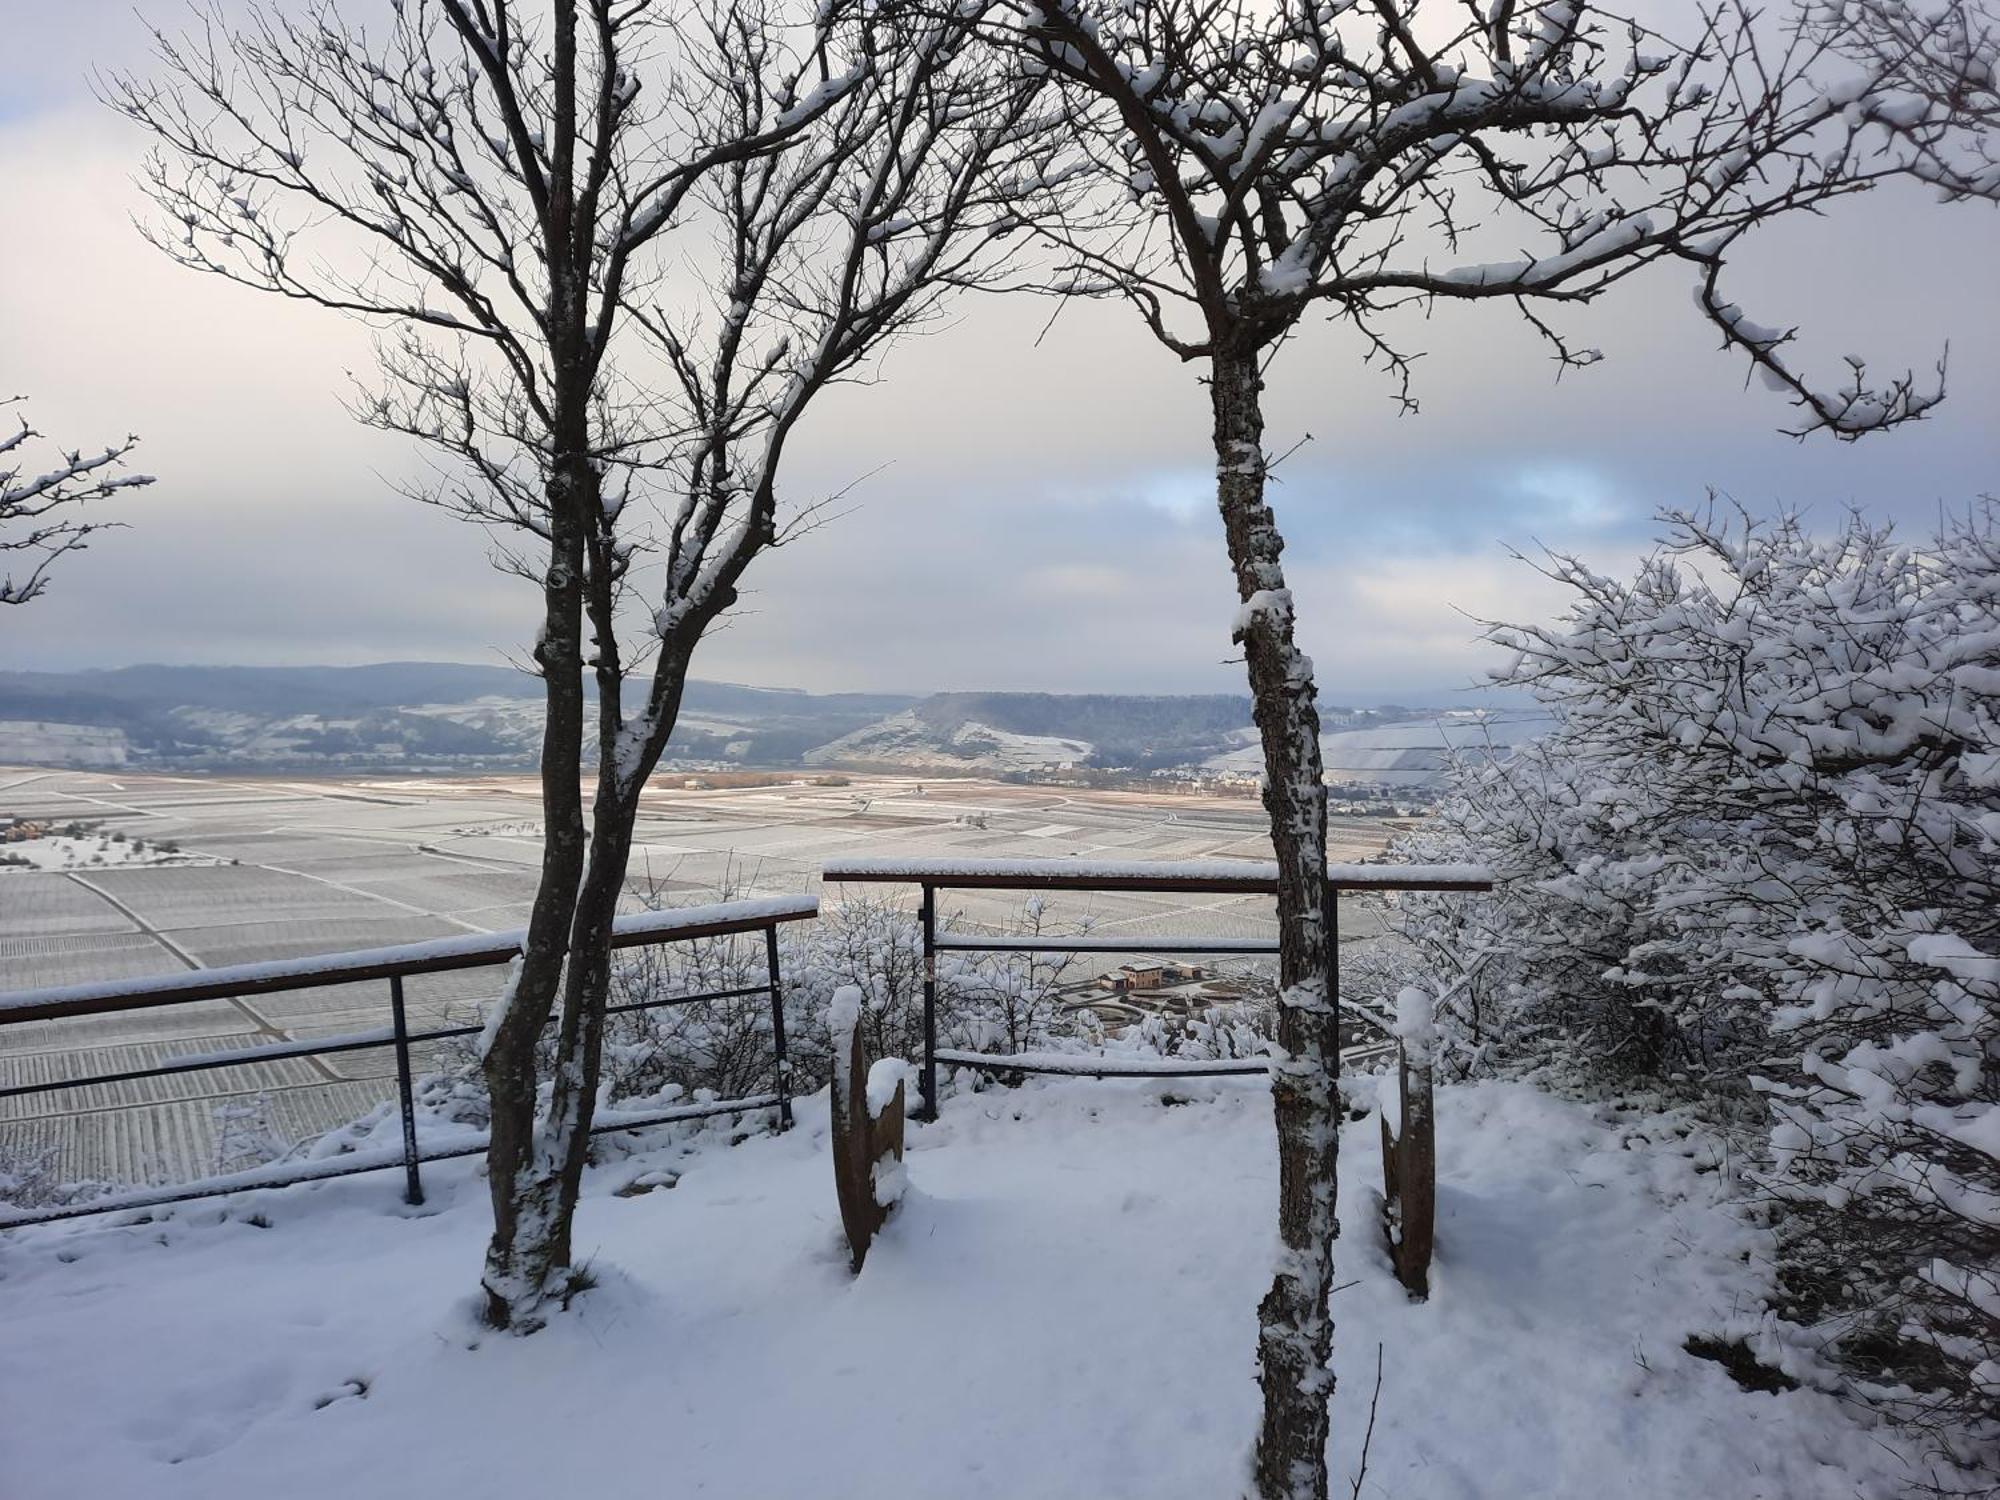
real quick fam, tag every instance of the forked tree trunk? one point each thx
(521, 1256)
(1295, 1332)
(580, 1039)
(549, 1179)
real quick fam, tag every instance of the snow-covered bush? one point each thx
(878, 947)
(1008, 1002)
(245, 1135)
(986, 1002)
(30, 1179)
(1760, 851)
(1237, 1029)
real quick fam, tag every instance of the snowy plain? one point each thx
(1062, 1307)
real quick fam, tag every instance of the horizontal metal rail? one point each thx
(352, 1041)
(1109, 1065)
(953, 943)
(679, 924)
(1208, 877)
(1008, 876)
(1100, 1065)
(353, 1163)
(473, 951)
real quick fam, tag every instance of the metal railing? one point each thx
(478, 950)
(1205, 877)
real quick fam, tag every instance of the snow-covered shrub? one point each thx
(245, 1135)
(1008, 1002)
(29, 1179)
(1760, 851)
(1239, 1029)
(989, 1001)
(878, 947)
(727, 1045)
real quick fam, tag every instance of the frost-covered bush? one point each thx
(1238, 1029)
(30, 1179)
(986, 1002)
(877, 947)
(245, 1135)
(1760, 854)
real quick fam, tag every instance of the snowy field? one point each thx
(1062, 1308)
(60, 851)
(322, 866)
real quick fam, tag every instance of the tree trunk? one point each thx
(586, 994)
(563, 1142)
(522, 1255)
(1294, 1332)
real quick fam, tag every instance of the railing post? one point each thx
(784, 1067)
(1333, 966)
(413, 1186)
(930, 1109)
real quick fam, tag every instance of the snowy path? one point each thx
(1063, 1309)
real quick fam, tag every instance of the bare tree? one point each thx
(617, 250)
(37, 511)
(1349, 158)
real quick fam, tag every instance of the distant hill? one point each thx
(256, 690)
(392, 715)
(398, 716)
(1023, 731)
(1034, 731)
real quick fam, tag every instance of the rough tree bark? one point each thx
(1294, 1325)
(521, 1257)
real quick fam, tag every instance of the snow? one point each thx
(57, 851)
(1611, 242)
(843, 1013)
(1063, 1307)
(1416, 1024)
(1956, 956)
(908, 739)
(885, 1076)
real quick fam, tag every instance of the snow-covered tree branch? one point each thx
(38, 519)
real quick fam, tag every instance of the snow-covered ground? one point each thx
(1062, 1307)
(58, 851)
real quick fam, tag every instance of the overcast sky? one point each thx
(1031, 518)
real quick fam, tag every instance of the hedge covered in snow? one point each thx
(1758, 859)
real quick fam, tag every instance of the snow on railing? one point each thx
(1214, 875)
(1102, 1064)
